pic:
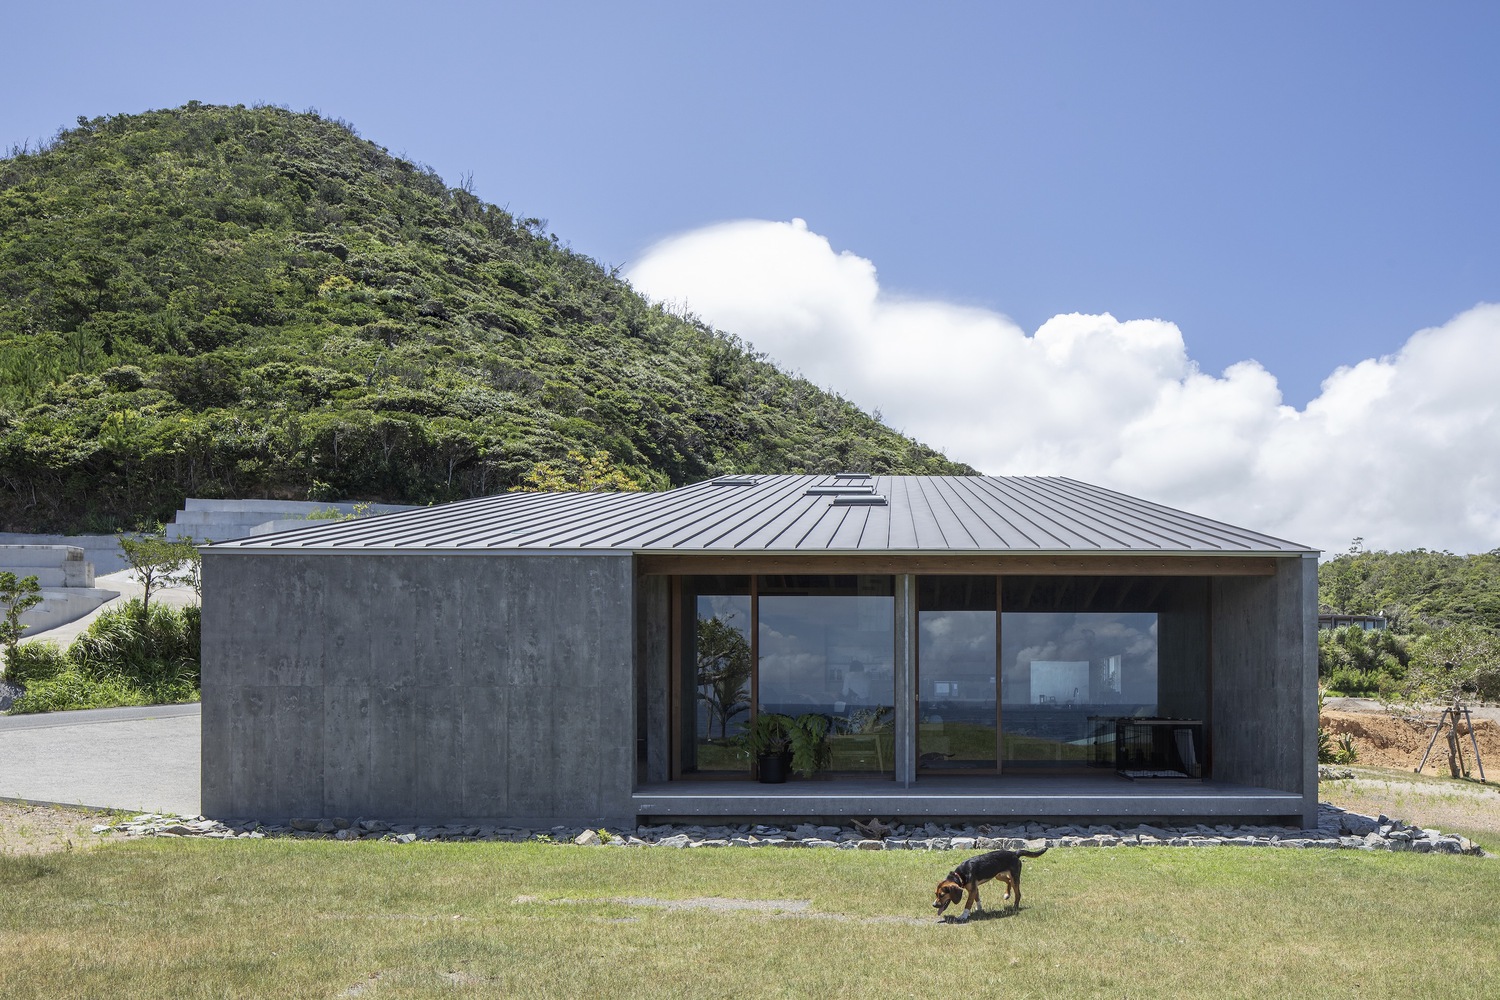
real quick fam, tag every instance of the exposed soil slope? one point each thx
(1384, 740)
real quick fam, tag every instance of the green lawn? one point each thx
(328, 919)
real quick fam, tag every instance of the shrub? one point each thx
(16, 595)
(1347, 680)
(130, 655)
(144, 647)
(37, 661)
(72, 690)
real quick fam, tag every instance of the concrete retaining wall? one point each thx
(427, 687)
(52, 565)
(100, 551)
(222, 520)
(66, 580)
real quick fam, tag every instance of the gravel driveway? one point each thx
(132, 759)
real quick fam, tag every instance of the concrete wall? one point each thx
(100, 551)
(221, 520)
(1265, 677)
(1182, 656)
(420, 686)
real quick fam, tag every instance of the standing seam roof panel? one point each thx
(931, 514)
(1067, 507)
(1191, 524)
(998, 521)
(1040, 528)
(1066, 529)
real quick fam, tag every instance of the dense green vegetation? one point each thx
(1416, 590)
(1443, 612)
(232, 301)
(130, 655)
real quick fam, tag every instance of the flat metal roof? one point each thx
(971, 515)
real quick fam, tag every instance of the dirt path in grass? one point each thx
(795, 908)
(36, 829)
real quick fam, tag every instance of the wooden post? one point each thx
(1432, 742)
(1478, 762)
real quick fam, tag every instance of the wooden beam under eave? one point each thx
(958, 565)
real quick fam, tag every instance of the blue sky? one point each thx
(1305, 186)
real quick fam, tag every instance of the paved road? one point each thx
(135, 759)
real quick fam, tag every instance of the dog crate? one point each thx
(1159, 749)
(1102, 732)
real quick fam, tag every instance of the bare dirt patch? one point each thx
(28, 828)
(1384, 740)
(721, 904)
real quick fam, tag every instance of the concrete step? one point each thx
(103, 551)
(222, 520)
(62, 605)
(53, 556)
(52, 565)
(44, 577)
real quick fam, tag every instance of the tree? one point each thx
(159, 561)
(16, 597)
(723, 670)
(1343, 581)
(578, 473)
(1453, 666)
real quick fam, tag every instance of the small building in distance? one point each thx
(1370, 623)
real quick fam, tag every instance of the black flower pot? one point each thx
(774, 767)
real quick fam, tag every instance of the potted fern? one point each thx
(809, 742)
(769, 740)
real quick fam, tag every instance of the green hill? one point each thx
(1416, 590)
(237, 302)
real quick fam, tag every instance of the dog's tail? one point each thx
(1032, 854)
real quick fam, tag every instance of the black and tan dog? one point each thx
(967, 877)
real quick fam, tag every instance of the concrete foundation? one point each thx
(66, 580)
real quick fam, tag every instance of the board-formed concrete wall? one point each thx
(1265, 680)
(423, 686)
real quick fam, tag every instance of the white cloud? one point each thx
(1402, 450)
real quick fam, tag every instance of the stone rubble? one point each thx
(1337, 829)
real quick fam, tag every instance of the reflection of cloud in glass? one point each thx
(732, 609)
(814, 654)
(958, 637)
(1034, 636)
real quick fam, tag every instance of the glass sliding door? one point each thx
(827, 646)
(1013, 673)
(715, 694)
(957, 725)
(1066, 676)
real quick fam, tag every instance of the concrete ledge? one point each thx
(62, 605)
(52, 565)
(1017, 798)
(100, 551)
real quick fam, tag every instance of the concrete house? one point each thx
(983, 647)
